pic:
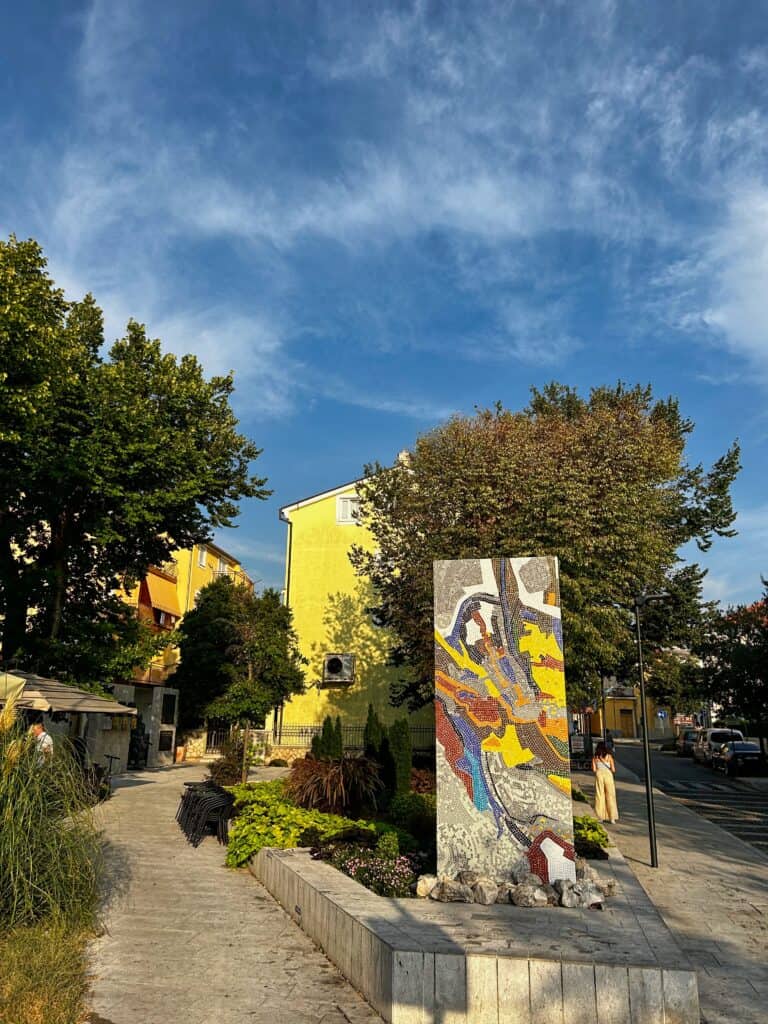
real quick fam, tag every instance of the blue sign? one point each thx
(661, 714)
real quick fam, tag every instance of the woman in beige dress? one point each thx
(604, 768)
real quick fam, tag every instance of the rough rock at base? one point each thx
(470, 878)
(529, 896)
(425, 884)
(505, 890)
(520, 871)
(448, 891)
(485, 891)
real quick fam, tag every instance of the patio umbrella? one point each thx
(10, 686)
(39, 694)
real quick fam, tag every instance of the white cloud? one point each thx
(738, 256)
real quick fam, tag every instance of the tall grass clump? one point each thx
(345, 785)
(49, 846)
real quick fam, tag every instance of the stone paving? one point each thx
(712, 891)
(188, 941)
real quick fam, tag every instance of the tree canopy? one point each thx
(239, 654)
(734, 653)
(107, 463)
(602, 483)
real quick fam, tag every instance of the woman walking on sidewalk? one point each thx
(604, 768)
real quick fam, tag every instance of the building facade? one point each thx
(347, 653)
(162, 599)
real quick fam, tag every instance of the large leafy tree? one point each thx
(734, 653)
(602, 483)
(107, 464)
(239, 654)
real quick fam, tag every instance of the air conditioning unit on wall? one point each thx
(338, 669)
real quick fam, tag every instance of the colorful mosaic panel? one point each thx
(503, 772)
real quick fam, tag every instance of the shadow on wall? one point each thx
(348, 629)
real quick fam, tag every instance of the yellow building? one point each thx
(623, 715)
(162, 599)
(347, 654)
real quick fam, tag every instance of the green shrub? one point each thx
(402, 754)
(388, 845)
(416, 813)
(258, 792)
(589, 837)
(267, 818)
(337, 786)
(373, 735)
(329, 744)
(577, 795)
(49, 847)
(227, 769)
(278, 762)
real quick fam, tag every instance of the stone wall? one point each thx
(415, 970)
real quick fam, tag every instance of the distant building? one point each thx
(347, 653)
(162, 599)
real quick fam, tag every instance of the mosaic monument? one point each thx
(503, 770)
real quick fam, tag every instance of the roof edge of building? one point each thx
(294, 505)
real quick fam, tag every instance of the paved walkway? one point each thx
(191, 942)
(712, 891)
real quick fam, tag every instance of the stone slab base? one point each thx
(413, 975)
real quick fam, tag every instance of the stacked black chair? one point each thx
(204, 804)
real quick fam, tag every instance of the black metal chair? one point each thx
(202, 805)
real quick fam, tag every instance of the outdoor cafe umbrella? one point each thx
(35, 693)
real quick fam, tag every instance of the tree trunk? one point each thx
(14, 626)
(58, 549)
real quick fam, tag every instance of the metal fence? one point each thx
(260, 739)
(422, 736)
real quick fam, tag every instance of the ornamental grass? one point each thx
(345, 785)
(49, 847)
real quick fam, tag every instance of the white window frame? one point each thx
(223, 566)
(347, 509)
(202, 556)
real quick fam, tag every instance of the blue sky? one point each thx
(380, 214)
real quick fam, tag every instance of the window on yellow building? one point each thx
(347, 509)
(202, 553)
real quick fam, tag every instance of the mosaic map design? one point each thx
(503, 771)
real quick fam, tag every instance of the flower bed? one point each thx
(267, 817)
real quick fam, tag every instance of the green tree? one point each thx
(402, 755)
(734, 653)
(602, 483)
(373, 734)
(239, 654)
(106, 464)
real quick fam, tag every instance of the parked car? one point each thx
(684, 742)
(737, 757)
(709, 740)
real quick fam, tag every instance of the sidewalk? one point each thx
(191, 942)
(712, 891)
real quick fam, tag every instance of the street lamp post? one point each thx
(640, 602)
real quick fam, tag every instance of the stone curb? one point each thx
(410, 979)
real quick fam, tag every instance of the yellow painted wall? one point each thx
(328, 602)
(615, 720)
(191, 577)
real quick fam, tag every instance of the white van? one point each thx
(712, 739)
